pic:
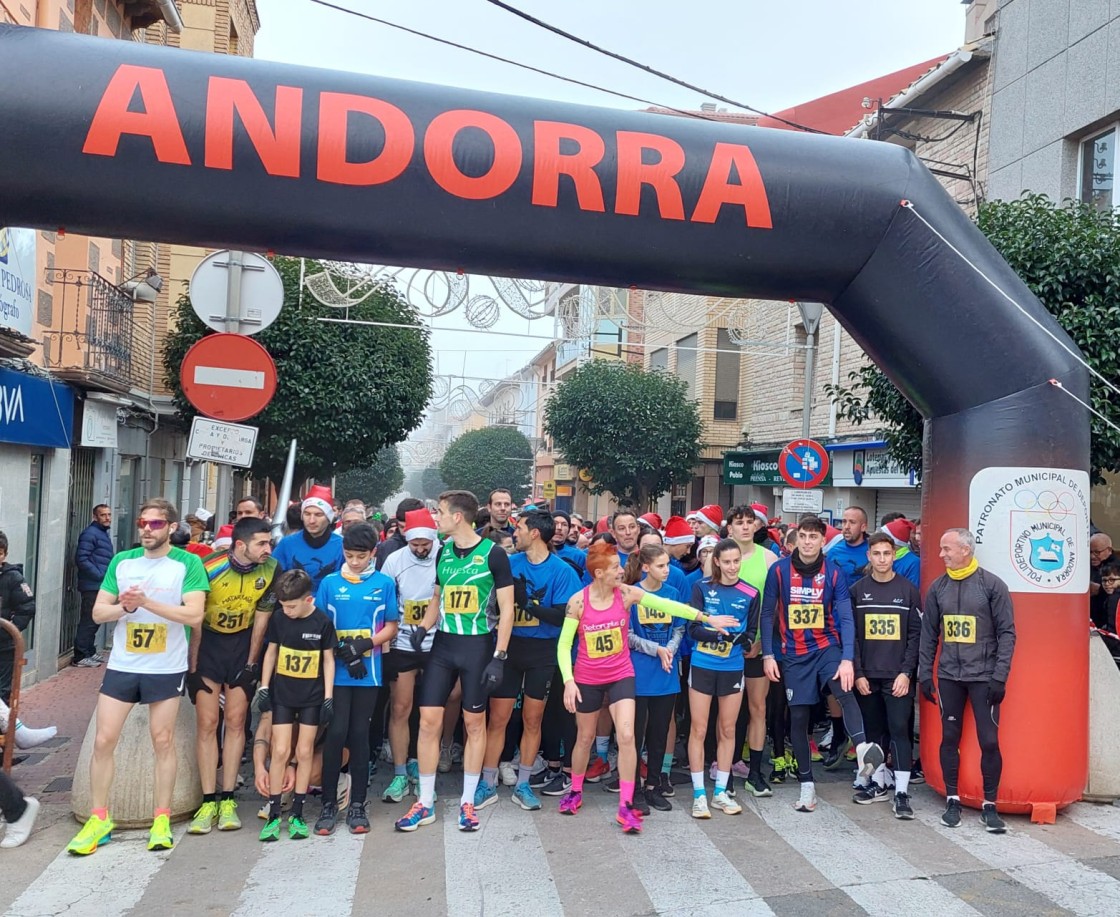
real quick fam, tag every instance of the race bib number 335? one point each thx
(882, 627)
(460, 600)
(298, 663)
(602, 643)
(959, 628)
(146, 638)
(806, 617)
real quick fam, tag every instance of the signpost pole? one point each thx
(811, 313)
(234, 261)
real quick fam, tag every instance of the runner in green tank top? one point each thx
(468, 603)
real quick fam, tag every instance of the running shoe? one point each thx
(89, 662)
(356, 819)
(342, 797)
(96, 832)
(541, 777)
(630, 820)
(778, 773)
(484, 795)
(271, 830)
(990, 819)
(740, 769)
(159, 838)
(285, 805)
(667, 788)
(412, 771)
(836, 755)
(873, 792)
(726, 804)
(700, 807)
(807, 802)
(418, 815)
(19, 830)
(713, 770)
(468, 821)
(456, 753)
(507, 773)
(869, 755)
(951, 817)
(396, 790)
(444, 759)
(297, 828)
(901, 806)
(917, 775)
(557, 785)
(204, 819)
(850, 755)
(227, 816)
(757, 786)
(613, 786)
(524, 796)
(814, 751)
(571, 803)
(655, 799)
(640, 803)
(597, 770)
(328, 818)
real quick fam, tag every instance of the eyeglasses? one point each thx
(154, 524)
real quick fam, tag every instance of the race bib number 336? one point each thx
(414, 611)
(959, 628)
(460, 600)
(602, 643)
(146, 638)
(806, 617)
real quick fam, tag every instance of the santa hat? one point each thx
(832, 537)
(653, 519)
(761, 512)
(418, 523)
(319, 497)
(224, 538)
(707, 543)
(900, 531)
(711, 515)
(678, 532)
(603, 525)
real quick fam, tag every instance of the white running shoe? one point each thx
(507, 773)
(20, 830)
(868, 758)
(726, 804)
(700, 807)
(26, 737)
(808, 800)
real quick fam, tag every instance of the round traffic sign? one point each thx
(228, 377)
(258, 296)
(803, 463)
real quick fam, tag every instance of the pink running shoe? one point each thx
(741, 769)
(630, 819)
(571, 803)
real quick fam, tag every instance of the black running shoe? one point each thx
(640, 803)
(667, 788)
(951, 817)
(356, 819)
(990, 819)
(655, 799)
(327, 819)
(611, 786)
(558, 785)
(901, 806)
(757, 786)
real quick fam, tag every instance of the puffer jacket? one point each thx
(95, 550)
(978, 653)
(17, 601)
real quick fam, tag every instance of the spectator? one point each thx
(95, 550)
(395, 541)
(1100, 553)
(17, 604)
(248, 506)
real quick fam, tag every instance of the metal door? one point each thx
(79, 514)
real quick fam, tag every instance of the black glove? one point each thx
(520, 592)
(744, 639)
(362, 644)
(346, 650)
(195, 683)
(263, 700)
(492, 674)
(247, 679)
(928, 691)
(996, 692)
(416, 638)
(328, 713)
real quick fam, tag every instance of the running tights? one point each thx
(353, 711)
(651, 722)
(800, 716)
(777, 717)
(887, 715)
(12, 805)
(952, 696)
(558, 728)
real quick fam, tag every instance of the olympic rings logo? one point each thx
(1055, 505)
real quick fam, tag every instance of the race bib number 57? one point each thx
(146, 638)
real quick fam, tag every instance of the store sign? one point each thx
(99, 425)
(757, 468)
(869, 468)
(35, 411)
(563, 472)
(17, 278)
(799, 500)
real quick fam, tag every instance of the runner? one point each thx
(708, 520)
(396, 540)
(500, 506)
(626, 531)
(543, 583)
(297, 687)
(153, 593)
(906, 562)
(888, 618)
(225, 661)
(19, 812)
(806, 597)
(473, 600)
(850, 553)
(362, 605)
(564, 549)
(248, 506)
(969, 612)
(316, 548)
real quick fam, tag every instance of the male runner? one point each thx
(906, 562)
(316, 548)
(153, 593)
(248, 506)
(473, 599)
(968, 611)
(708, 520)
(397, 540)
(564, 549)
(850, 554)
(225, 660)
(626, 531)
(543, 583)
(500, 505)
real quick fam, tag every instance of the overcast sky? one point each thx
(770, 55)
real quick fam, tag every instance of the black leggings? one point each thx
(558, 728)
(652, 716)
(886, 715)
(12, 805)
(353, 710)
(800, 716)
(777, 717)
(951, 697)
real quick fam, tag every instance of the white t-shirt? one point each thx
(142, 641)
(416, 581)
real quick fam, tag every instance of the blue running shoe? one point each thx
(524, 796)
(418, 815)
(484, 795)
(468, 821)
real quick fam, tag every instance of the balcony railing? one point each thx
(91, 341)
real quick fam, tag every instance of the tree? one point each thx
(432, 483)
(372, 485)
(636, 431)
(484, 459)
(344, 392)
(1069, 256)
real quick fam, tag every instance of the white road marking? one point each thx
(231, 378)
(1100, 819)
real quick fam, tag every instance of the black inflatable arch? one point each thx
(128, 140)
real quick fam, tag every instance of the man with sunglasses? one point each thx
(152, 594)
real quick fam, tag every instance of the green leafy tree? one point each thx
(636, 431)
(372, 485)
(344, 392)
(491, 457)
(1069, 256)
(432, 484)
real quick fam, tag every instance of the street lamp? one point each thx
(811, 313)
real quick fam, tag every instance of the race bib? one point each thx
(460, 600)
(146, 638)
(882, 627)
(806, 617)
(959, 628)
(603, 643)
(524, 619)
(361, 632)
(649, 616)
(721, 648)
(414, 611)
(229, 622)
(298, 663)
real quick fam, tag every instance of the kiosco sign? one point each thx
(758, 468)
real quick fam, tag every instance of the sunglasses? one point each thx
(154, 524)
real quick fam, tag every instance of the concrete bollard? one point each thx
(1103, 784)
(131, 801)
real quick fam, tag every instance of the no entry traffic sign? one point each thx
(803, 463)
(228, 377)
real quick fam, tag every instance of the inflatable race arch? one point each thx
(127, 140)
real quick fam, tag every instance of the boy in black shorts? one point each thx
(297, 685)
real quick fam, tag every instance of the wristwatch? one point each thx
(501, 654)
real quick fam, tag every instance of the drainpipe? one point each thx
(835, 374)
(171, 15)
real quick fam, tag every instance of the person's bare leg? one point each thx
(161, 725)
(501, 709)
(206, 714)
(111, 714)
(401, 695)
(233, 744)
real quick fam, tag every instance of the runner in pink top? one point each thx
(602, 648)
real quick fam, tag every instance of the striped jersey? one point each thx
(468, 580)
(809, 613)
(235, 596)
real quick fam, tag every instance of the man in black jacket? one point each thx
(17, 604)
(95, 550)
(968, 611)
(396, 541)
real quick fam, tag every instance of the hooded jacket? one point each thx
(978, 610)
(17, 601)
(95, 550)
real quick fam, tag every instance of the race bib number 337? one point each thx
(806, 617)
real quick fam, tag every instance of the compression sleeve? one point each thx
(668, 606)
(770, 598)
(675, 641)
(498, 562)
(550, 614)
(564, 648)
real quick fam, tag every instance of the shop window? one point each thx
(1098, 170)
(728, 360)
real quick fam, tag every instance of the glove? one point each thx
(492, 674)
(196, 683)
(328, 713)
(520, 592)
(263, 700)
(743, 639)
(996, 692)
(247, 679)
(416, 638)
(928, 691)
(347, 651)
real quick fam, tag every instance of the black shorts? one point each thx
(283, 715)
(612, 692)
(456, 656)
(142, 687)
(715, 683)
(221, 657)
(752, 668)
(532, 663)
(397, 661)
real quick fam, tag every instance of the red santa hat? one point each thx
(707, 543)
(418, 523)
(832, 537)
(677, 531)
(900, 531)
(761, 512)
(224, 538)
(319, 497)
(653, 519)
(603, 525)
(711, 515)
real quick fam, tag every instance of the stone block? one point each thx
(1005, 136)
(1006, 184)
(1045, 102)
(1042, 171)
(1104, 724)
(1086, 16)
(1086, 78)
(1112, 68)
(1011, 44)
(1047, 31)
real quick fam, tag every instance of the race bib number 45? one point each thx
(603, 642)
(806, 617)
(298, 663)
(460, 600)
(882, 627)
(959, 628)
(146, 638)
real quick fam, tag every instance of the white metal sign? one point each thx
(99, 424)
(796, 500)
(238, 292)
(17, 278)
(223, 443)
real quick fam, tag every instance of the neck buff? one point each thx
(964, 572)
(807, 569)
